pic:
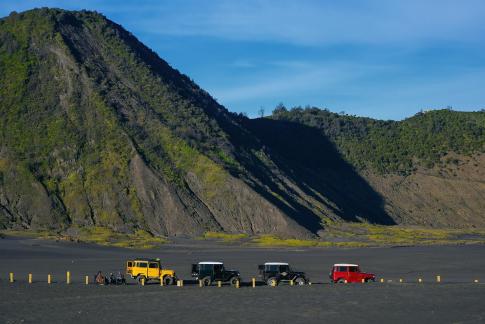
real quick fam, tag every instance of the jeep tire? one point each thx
(234, 281)
(168, 280)
(272, 282)
(140, 278)
(206, 281)
(300, 281)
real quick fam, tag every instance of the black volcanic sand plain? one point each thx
(456, 299)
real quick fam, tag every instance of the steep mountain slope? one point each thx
(96, 129)
(430, 168)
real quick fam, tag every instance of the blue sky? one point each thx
(386, 59)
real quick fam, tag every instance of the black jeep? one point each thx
(210, 272)
(272, 273)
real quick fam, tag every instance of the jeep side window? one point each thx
(272, 268)
(153, 265)
(130, 264)
(352, 269)
(206, 267)
(342, 269)
(284, 268)
(142, 264)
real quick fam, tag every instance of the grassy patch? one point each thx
(404, 235)
(365, 235)
(47, 235)
(270, 240)
(140, 239)
(226, 237)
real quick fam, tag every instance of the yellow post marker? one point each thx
(143, 281)
(30, 278)
(68, 277)
(200, 283)
(291, 283)
(345, 281)
(254, 282)
(309, 283)
(178, 283)
(181, 283)
(11, 277)
(86, 280)
(363, 280)
(475, 281)
(438, 278)
(420, 280)
(238, 284)
(400, 280)
(219, 283)
(49, 279)
(161, 282)
(382, 280)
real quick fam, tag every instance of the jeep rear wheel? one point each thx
(272, 282)
(300, 281)
(341, 280)
(206, 281)
(167, 280)
(142, 278)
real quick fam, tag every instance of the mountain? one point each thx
(97, 130)
(429, 169)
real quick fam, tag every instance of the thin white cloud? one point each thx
(302, 22)
(290, 81)
(325, 22)
(244, 64)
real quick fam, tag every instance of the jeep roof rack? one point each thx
(345, 265)
(210, 262)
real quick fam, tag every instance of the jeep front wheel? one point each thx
(272, 282)
(206, 281)
(300, 281)
(167, 280)
(234, 281)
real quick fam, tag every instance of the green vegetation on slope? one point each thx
(62, 128)
(395, 146)
(226, 237)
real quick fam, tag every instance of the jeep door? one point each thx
(142, 268)
(219, 273)
(153, 270)
(206, 270)
(284, 271)
(341, 272)
(271, 270)
(354, 274)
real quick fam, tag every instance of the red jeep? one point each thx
(350, 272)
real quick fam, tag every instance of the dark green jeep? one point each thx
(210, 272)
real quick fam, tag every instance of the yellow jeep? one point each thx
(149, 269)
